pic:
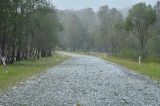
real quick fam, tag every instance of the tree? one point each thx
(28, 29)
(103, 26)
(88, 19)
(110, 21)
(72, 35)
(138, 21)
(153, 45)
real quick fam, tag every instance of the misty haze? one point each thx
(79, 53)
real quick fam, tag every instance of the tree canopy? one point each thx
(139, 19)
(28, 29)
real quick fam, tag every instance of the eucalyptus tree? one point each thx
(109, 24)
(103, 26)
(20, 20)
(153, 46)
(139, 20)
(88, 19)
(71, 37)
(46, 30)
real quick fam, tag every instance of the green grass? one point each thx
(150, 69)
(25, 69)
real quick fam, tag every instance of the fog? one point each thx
(33, 28)
(95, 4)
(82, 35)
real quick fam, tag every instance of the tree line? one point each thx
(28, 29)
(33, 29)
(107, 30)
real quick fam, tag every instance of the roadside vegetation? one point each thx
(25, 69)
(107, 30)
(151, 69)
(124, 37)
(31, 29)
(28, 29)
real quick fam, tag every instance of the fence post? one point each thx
(139, 59)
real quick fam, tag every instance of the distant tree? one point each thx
(103, 26)
(109, 24)
(139, 19)
(157, 9)
(72, 35)
(88, 18)
(153, 45)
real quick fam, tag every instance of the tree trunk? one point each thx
(43, 53)
(18, 57)
(13, 55)
(38, 54)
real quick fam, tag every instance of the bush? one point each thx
(153, 49)
(128, 53)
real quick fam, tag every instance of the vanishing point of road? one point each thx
(84, 80)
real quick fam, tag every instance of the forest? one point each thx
(79, 52)
(109, 30)
(30, 29)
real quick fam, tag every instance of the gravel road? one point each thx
(84, 80)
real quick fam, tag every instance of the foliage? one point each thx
(33, 28)
(154, 48)
(28, 29)
(107, 30)
(132, 54)
(139, 19)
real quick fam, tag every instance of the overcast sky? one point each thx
(95, 4)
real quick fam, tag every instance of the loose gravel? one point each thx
(84, 80)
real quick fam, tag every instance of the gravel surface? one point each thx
(84, 80)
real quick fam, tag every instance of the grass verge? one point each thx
(25, 69)
(150, 69)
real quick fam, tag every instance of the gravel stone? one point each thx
(84, 80)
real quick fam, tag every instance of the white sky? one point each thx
(95, 4)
